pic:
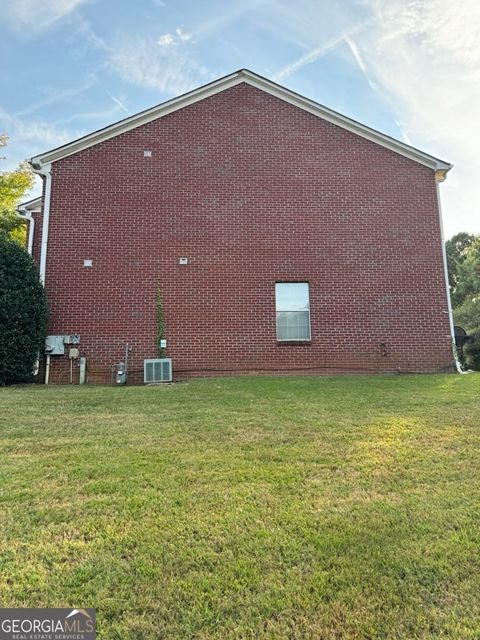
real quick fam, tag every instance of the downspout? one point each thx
(440, 177)
(23, 213)
(45, 171)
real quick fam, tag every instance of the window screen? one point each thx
(293, 310)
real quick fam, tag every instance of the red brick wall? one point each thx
(252, 191)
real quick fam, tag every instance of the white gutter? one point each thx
(458, 364)
(45, 171)
(24, 213)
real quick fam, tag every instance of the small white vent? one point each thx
(157, 370)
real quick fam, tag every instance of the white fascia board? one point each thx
(227, 82)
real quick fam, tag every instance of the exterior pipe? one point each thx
(45, 171)
(83, 368)
(23, 213)
(47, 368)
(458, 365)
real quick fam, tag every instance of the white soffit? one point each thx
(227, 82)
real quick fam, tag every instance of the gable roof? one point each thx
(248, 77)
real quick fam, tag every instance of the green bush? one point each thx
(471, 352)
(23, 314)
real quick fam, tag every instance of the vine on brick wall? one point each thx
(160, 321)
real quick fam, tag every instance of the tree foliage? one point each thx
(463, 255)
(23, 313)
(13, 186)
(457, 251)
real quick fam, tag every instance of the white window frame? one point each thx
(277, 311)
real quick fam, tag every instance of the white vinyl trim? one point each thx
(25, 210)
(227, 82)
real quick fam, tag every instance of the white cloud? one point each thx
(40, 135)
(230, 13)
(166, 40)
(85, 30)
(182, 35)
(118, 102)
(359, 60)
(54, 95)
(425, 55)
(171, 69)
(100, 117)
(316, 53)
(37, 16)
(29, 137)
(308, 58)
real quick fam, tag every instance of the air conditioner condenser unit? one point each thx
(157, 370)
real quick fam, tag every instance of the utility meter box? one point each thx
(72, 338)
(54, 346)
(121, 377)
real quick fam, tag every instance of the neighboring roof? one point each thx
(248, 77)
(30, 205)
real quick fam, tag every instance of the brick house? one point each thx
(282, 237)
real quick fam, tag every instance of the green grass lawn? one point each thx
(255, 507)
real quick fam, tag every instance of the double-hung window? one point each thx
(293, 311)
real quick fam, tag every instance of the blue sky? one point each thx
(409, 68)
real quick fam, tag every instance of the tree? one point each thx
(23, 313)
(468, 285)
(13, 185)
(463, 255)
(457, 248)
